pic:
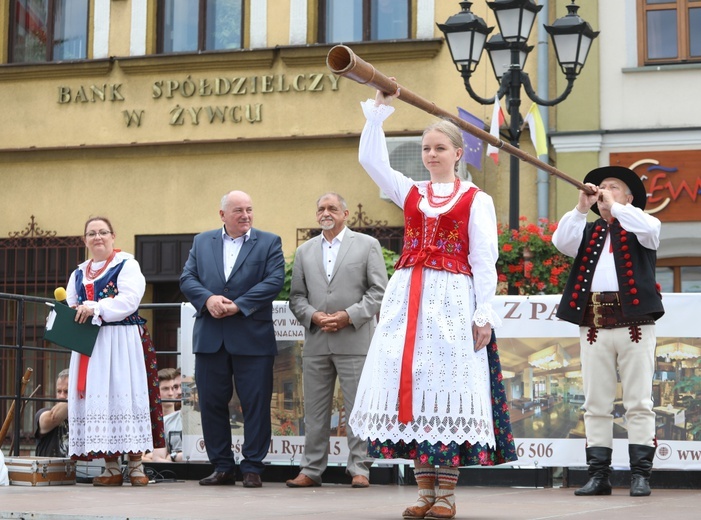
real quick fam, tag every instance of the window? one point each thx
(199, 25)
(679, 274)
(669, 31)
(33, 262)
(288, 392)
(48, 30)
(364, 20)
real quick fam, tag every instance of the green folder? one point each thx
(63, 330)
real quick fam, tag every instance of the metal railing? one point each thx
(20, 349)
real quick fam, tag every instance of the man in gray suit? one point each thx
(338, 281)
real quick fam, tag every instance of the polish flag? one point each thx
(497, 121)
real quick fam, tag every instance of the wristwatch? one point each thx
(173, 456)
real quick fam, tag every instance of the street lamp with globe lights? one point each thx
(466, 34)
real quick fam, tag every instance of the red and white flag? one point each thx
(497, 121)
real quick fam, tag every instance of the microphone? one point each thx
(60, 295)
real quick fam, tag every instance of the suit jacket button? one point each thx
(226, 289)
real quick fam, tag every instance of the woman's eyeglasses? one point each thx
(103, 233)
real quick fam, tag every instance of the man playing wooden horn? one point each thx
(612, 295)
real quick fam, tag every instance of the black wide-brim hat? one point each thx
(634, 183)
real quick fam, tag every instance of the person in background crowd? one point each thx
(170, 387)
(612, 295)
(51, 431)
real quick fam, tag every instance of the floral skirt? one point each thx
(154, 392)
(466, 454)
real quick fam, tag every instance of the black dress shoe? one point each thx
(252, 480)
(219, 478)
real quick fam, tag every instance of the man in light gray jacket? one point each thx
(338, 281)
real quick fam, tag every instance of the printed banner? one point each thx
(542, 374)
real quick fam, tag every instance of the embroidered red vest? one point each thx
(443, 246)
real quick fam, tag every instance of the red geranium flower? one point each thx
(531, 245)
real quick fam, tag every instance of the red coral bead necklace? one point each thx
(92, 274)
(432, 197)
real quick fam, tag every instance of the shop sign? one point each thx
(672, 180)
(213, 96)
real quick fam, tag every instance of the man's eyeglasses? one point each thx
(103, 233)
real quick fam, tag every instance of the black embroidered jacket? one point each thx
(635, 270)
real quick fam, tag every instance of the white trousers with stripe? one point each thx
(614, 348)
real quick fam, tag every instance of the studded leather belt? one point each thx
(604, 311)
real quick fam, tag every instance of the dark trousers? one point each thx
(253, 379)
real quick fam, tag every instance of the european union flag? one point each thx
(473, 145)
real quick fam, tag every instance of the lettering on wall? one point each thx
(202, 100)
(90, 94)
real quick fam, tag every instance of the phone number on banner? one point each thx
(549, 452)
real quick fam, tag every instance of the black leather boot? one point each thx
(641, 458)
(599, 460)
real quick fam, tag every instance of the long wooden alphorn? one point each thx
(341, 60)
(11, 412)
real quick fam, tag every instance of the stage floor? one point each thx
(189, 500)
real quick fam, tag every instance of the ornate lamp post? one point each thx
(466, 35)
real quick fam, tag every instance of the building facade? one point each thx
(148, 111)
(643, 114)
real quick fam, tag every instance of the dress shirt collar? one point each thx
(338, 237)
(226, 236)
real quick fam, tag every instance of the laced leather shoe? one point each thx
(419, 511)
(219, 478)
(110, 477)
(441, 509)
(302, 481)
(252, 480)
(360, 481)
(137, 477)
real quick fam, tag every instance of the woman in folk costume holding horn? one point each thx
(431, 386)
(111, 394)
